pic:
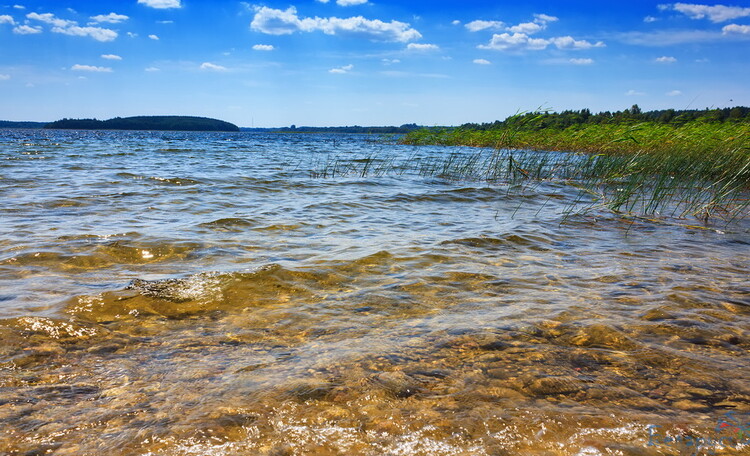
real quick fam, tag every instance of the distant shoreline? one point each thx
(158, 123)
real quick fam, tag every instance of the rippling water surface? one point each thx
(179, 293)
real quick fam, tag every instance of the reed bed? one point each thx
(642, 169)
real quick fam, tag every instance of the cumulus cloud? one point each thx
(5, 19)
(581, 61)
(342, 70)
(665, 59)
(526, 27)
(422, 47)
(649, 19)
(529, 28)
(72, 28)
(263, 47)
(97, 33)
(154, 37)
(523, 42)
(51, 19)
(111, 57)
(350, 2)
(515, 42)
(716, 13)
(482, 62)
(26, 30)
(545, 18)
(390, 61)
(285, 22)
(634, 93)
(20, 7)
(161, 4)
(673, 93)
(212, 67)
(111, 18)
(734, 28)
(567, 42)
(479, 25)
(91, 68)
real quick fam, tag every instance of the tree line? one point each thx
(538, 120)
(165, 123)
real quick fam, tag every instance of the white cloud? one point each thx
(322, 1)
(422, 47)
(161, 4)
(285, 22)
(479, 25)
(456, 22)
(165, 22)
(97, 33)
(515, 42)
(111, 57)
(734, 28)
(91, 68)
(20, 7)
(263, 47)
(154, 37)
(212, 67)
(132, 35)
(567, 42)
(649, 19)
(152, 69)
(522, 42)
(581, 61)
(673, 93)
(112, 18)
(72, 28)
(527, 28)
(342, 70)
(716, 13)
(4, 77)
(49, 18)
(482, 62)
(5, 19)
(634, 93)
(545, 18)
(390, 61)
(350, 2)
(26, 30)
(665, 59)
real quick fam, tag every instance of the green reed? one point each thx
(698, 168)
(671, 182)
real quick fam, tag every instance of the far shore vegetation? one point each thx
(161, 123)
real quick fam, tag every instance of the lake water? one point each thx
(243, 294)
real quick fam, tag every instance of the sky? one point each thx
(367, 62)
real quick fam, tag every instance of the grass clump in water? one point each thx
(658, 163)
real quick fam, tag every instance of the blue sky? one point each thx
(374, 62)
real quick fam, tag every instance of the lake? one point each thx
(298, 294)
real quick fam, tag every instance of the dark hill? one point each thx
(164, 123)
(12, 124)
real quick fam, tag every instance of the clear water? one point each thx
(199, 293)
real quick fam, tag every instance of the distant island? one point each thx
(13, 124)
(162, 123)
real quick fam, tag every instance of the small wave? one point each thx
(230, 224)
(513, 241)
(160, 180)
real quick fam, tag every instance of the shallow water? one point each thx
(179, 293)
